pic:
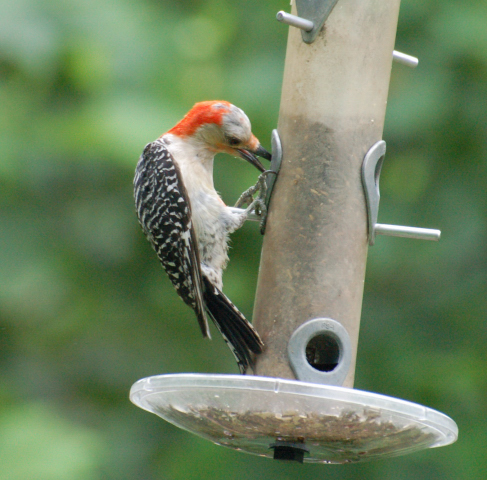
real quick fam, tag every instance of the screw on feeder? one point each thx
(371, 168)
(289, 451)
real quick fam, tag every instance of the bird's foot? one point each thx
(256, 205)
(247, 197)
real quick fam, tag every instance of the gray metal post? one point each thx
(332, 111)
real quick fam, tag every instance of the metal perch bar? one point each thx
(408, 60)
(407, 232)
(295, 21)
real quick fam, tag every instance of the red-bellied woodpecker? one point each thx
(186, 221)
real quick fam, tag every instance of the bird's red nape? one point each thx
(201, 113)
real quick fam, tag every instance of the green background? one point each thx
(85, 309)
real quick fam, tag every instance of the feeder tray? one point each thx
(293, 420)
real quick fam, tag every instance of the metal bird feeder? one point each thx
(328, 148)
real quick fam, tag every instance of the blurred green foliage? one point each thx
(85, 309)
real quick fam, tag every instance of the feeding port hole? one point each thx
(319, 351)
(323, 352)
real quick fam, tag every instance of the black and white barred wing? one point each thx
(164, 211)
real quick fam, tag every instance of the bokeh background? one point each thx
(85, 309)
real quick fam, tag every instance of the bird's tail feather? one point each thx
(237, 331)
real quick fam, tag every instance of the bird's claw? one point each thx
(257, 205)
(247, 197)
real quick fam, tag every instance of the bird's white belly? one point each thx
(212, 222)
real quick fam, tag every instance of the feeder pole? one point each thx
(332, 111)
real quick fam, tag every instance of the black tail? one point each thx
(237, 331)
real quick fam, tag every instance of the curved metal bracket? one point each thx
(371, 168)
(312, 16)
(275, 164)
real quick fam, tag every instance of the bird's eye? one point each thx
(233, 141)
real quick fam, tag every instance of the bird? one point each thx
(186, 221)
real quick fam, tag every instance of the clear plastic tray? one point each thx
(330, 424)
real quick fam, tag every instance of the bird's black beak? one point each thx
(252, 158)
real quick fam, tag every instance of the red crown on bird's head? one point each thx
(202, 113)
